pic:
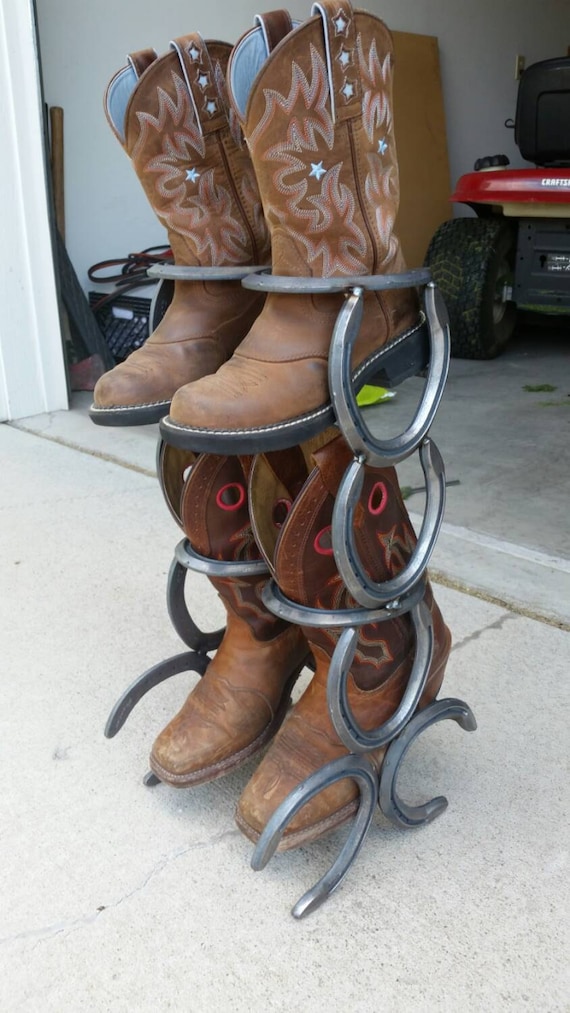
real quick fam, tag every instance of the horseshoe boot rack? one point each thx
(426, 351)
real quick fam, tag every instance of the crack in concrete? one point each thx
(99, 454)
(68, 926)
(497, 625)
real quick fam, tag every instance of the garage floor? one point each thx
(121, 898)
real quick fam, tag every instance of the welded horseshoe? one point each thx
(306, 615)
(367, 592)
(192, 560)
(175, 272)
(381, 453)
(397, 811)
(190, 661)
(348, 730)
(180, 617)
(357, 768)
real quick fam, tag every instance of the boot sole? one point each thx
(223, 767)
(403, 358)
(306, 835)
(129, 415)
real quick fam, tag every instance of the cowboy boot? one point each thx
(240, 702)
(305, 570)
(317, 117)
(171, 116)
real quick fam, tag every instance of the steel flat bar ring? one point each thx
(176, 273)
(357, 768)
(180, 617)
(398, 812)
(347, 728)
(368, 592)
(192, 560)
(372, 282)
(382, 453)
(303, 615)
(190, 661)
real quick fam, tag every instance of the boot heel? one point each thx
(401, 359)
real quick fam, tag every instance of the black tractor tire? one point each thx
(471, 261)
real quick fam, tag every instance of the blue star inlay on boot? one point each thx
(382, 146)
(192, 175)
(317, 170)
(340, 24)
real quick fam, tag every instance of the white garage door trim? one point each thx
(32, 370)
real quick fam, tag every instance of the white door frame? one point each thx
(32, 367)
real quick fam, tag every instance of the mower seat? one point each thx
(542, 122)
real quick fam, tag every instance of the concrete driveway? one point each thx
(117, 897)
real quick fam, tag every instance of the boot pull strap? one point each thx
(141, 60)
(342, 59)
(332, 461)
(201, 82)
(275, 25)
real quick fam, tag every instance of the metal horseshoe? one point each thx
(367, 592)
(190, 661)
(347, 728)
(357, 768)
(397, 811)
(306, 615)
(381, 453)
(180, 617)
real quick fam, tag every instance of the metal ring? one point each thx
(304, 615)
(192, 560)
(177, 273)
(357, 768)
(180, 617)
(293, 284)
(348, 730)
(369, 593)
(397, 811)
(380, 453)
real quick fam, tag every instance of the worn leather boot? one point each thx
(172, 117)
(317, 117)
(238, 705)
(305, 570)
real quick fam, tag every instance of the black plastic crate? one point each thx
(124, 322)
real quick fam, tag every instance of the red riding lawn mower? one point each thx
(516, 253)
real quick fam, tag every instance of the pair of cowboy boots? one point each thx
(280, 504)
(317, 175)
(286, 141)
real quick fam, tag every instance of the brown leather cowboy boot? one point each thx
(305, 570)
(317, 117)
(238, 705)
(172, 117)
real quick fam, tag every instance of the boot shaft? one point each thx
(303, 563)
(215, 517)
(318, 122)
(173, 117)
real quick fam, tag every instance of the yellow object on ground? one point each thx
(370, 395)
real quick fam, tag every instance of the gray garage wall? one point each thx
(83, 44)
